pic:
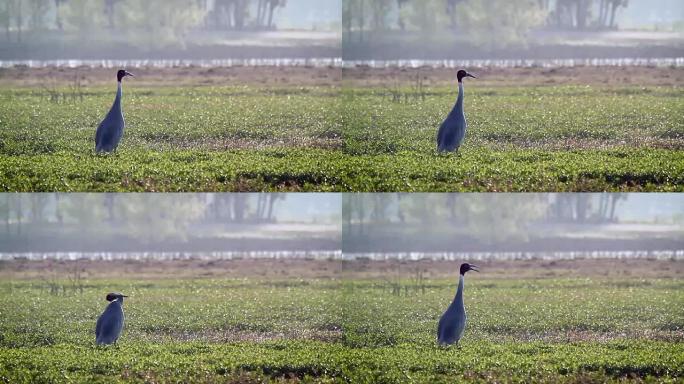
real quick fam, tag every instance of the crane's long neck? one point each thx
(115, 305)
(117, 100)
(458, 107)
(458, 300)
(459, 100)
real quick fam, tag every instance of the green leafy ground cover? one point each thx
(531, 138)
(327, 330)
(176, 139)
(205, 138)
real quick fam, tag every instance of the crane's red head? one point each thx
(121, 74)
(462, 73)
(465, 267)
(115, 296)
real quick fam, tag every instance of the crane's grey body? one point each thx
(111, 321)
(453, 321)
(110, 130)
(452, 131)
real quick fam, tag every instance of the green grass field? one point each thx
(555, 329)
(318, 138)
(531, 138)
(176, 139)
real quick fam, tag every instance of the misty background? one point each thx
(169, 29)
(511, 29)
(282, 225)
(203, 222)
(544, 222)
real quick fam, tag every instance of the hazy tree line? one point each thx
(458, 208)
(240, 207)
(492, 22)
(237, 14)
(148, 21)
(583, 208)
(153, 216)
(580, 14)
(491, 218)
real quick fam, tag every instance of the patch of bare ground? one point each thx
(572, 144)
(161, 269)
(224, 144)
(334, 269)
(519, 269)
(148, 76)
(356, 77)
(242, 377)
(239, 335)
(202, 376)
(578, 336)
(616, 76)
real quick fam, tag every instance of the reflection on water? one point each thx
(337, 62)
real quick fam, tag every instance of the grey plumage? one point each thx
(452, 323)
(110, 130)
(452, 131)
(111, 321)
